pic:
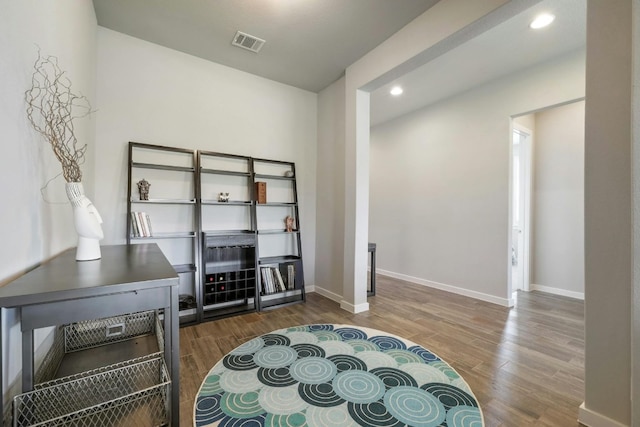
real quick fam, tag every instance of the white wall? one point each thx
(439, 29)
(635, 337)
(558, 200)
(148, 93)
(33, 229)
(608, 214)
(330, 191)
(439, 191)
(528, 121)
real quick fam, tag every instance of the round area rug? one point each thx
(334, 375)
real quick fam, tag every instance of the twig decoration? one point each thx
(51, 108)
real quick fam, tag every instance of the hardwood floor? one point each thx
(525, 364)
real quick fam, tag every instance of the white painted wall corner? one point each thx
(355, 309)
(594, 419)
(558, 291)
(328, 294)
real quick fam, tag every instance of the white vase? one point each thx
(87, 221)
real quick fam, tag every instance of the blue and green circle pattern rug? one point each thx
(334, 375)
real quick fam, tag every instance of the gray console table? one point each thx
(126, 279)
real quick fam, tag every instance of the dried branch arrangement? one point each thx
(51, 108)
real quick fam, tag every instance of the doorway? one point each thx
(521, 140)
(547, 201)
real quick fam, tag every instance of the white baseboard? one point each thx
(355, 309)
(326, 293)
(505, 302)
(557, 291)
(594, 419)
(309, 288)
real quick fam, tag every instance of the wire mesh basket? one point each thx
(95, 333)
(134, 393)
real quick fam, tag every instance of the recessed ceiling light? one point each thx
(542, 21)
(396, 90)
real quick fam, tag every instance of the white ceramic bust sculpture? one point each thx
(87, 221)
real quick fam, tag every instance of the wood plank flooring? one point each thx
(525, 364)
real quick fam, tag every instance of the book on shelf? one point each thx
(264, 272)
(140, 224)
(278, 276)
(149, 224)
(291, 276)
(272, 280)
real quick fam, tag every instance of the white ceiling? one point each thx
(506, 48)
(309, 43)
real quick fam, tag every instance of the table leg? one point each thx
(2, 313)
(27, 361)
(172, 354)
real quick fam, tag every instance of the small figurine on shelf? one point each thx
(289, 223)
(223, 197)
(143, 188)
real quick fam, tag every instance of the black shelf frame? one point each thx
(233, 301)
(218, 303)
(277, 231)
(165, 235)
(267, 176)
(279, 259)
(223, 172)
(162, 167)
(296, 295)
(186, 315)
(166, 201)
(285, 204)
(229, 203)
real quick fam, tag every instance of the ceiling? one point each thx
(504, 49)
(309, 43)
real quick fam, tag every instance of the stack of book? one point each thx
(272, 280)
(141, 225)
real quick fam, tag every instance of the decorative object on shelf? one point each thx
(261, 192)
(326, 372)
(51, 109)
(288, 174)
(289, 223)
(186, 301)
(87, 221)
(143, 189)
(223, 197)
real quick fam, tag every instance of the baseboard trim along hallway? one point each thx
(505, 302)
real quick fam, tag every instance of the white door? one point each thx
(521, 176)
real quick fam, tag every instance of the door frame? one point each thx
(526, 163)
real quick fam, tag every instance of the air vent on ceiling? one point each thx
(246, 41)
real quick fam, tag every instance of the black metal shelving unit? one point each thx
(165, 161)
(281, 176)
(226, 267)
(228, 254)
